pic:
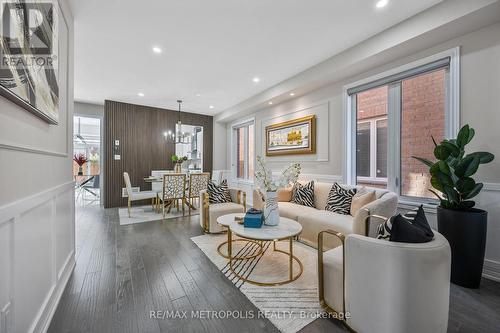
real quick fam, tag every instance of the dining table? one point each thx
(159, 180)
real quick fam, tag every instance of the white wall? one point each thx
(89, 110)
(36, 205)
(480, 107)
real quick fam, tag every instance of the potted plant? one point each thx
(178, 162)
(463, 225)
(80, 159)
(271, 184)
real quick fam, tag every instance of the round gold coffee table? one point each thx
(285, 231)
(226, 221)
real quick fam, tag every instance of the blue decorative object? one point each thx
(253, 219)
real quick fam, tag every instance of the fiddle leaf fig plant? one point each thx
(451, 174)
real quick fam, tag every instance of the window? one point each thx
(394, 117)
(244, 143)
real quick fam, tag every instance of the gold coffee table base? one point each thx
(241, 257)
(291, 276)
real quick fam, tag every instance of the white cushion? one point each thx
(333, 278)
(218, 209)
(293, 210)
(143, 195)
(314, 223)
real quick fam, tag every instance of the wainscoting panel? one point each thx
(37, 254)
(142, 146)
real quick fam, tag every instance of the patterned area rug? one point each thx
(289, 307)
(141, 214)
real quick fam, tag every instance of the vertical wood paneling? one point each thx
(142, 145)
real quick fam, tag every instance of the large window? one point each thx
(244, 145)
(394, 117)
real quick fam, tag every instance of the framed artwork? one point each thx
(297, 136)
(29, 52)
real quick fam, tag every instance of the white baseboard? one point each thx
(491, 270)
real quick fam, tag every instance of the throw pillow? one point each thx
(218, 194)
(412, 227)
(285, 194)
(303, 194)
(340, 199)
(360, 200)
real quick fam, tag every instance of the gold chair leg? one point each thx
(129, 204)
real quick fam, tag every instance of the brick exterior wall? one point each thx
(423, 111)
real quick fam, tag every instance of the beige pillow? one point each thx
(285, 194)
(361, 199)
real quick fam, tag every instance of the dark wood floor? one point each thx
(124, 272)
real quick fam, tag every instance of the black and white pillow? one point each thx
(411, 227)
(218, 194)
(303, 194)
(340, 199)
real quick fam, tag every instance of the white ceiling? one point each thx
(213, 48)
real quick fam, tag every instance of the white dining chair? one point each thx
(136, 196)
(158, 186)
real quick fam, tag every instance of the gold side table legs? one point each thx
(291, 259)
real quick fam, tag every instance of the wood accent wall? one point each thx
(142, 145)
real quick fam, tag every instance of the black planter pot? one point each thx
(466, 233)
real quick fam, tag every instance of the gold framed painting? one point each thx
(297, 136)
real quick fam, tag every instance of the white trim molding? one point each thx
(32, 150)
(37, 269)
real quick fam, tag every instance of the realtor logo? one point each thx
(27, 27)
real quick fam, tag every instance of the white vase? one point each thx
(271, 213)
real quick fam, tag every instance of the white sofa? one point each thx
(315, 220)
(390, 287)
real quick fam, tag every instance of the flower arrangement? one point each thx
(80, 159)
(270, 183)
(178, 159)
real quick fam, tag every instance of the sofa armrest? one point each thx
(384, 206)
(413, 277)
(258, 200)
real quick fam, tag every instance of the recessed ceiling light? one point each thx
(256, 80)
(198, 95)
(211, 107)
(270, 103)
(156, 49)
(140, 94)
(381, 3)
(292, 94)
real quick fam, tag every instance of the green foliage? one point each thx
(451, 173)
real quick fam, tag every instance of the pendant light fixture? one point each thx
(178, 128)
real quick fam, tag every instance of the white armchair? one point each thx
(390, 287)
(209, 212)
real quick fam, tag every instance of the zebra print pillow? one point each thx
(411, 227)
(218, 194)
(339, 199)
(303, 194)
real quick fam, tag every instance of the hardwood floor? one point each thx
(124, 272)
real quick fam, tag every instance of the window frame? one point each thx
(452, 118)
(234, 151)
(373, 150)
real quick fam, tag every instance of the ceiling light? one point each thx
(198, 95)
(156, 49)
(292, 94)
(256, 80)
(381, 3)
(211, 107)
(140, 94)
(270, 103)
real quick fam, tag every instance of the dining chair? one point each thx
(197, 183)
(136, 196)
(174, 189)
(158, 186)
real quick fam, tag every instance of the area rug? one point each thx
(289, 307)
(141, 214)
